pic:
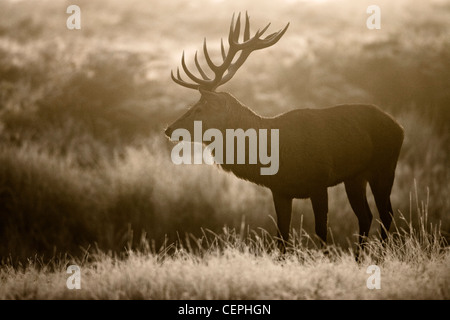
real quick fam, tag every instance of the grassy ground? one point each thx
(84, 162)
(234, 275)
(413, 265)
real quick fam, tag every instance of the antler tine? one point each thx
(208, 58)
(231, 33)
(222, 50)
(247, 27)
(260, 33)
(237, 28)
(199, 68)
(181, 82)
(268, 41)
(191, 75)
(274, 37)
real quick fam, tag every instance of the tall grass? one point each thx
(235, 265)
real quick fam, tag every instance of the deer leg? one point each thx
(283, 208)
(319, 202)
(381, 188)
(356, 192)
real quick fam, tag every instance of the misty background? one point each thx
(83, 158)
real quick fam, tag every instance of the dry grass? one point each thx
(413, 265)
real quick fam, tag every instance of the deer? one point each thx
(353, 144)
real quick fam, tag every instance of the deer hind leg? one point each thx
(319, 202)
(356, 192)
(381, 186)
(283, 208)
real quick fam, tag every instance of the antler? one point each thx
(245, 48)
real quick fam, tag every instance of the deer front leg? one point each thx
(283, 208)
(319, 202)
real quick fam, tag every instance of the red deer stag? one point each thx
(318, 148)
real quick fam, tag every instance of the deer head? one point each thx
(216, 110)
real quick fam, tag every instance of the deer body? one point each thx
(323, 147)
(355, 144)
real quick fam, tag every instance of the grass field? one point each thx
(413, 265)
(85, 169)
